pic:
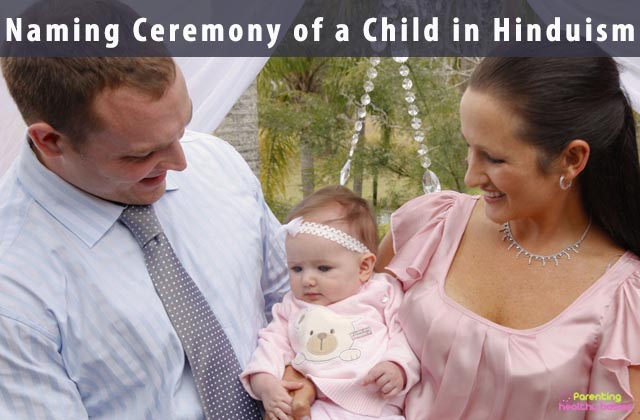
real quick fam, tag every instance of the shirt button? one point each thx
(385, 299)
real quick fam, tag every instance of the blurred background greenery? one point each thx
(307, 109)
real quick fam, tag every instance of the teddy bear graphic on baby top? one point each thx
(324, 335)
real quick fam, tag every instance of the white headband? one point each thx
(298, 225)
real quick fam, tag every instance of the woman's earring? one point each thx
(563, 185)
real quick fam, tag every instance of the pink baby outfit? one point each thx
(473, 368)
(336, 345)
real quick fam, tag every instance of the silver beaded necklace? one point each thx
(508, 236)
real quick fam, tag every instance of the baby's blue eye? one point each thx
(296, 269)
(324, 268)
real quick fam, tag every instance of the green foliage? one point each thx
(295, 109)
(314, 101)
(383, 229)
(276, 148)
(280, 208)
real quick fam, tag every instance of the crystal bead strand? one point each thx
(365, 100)
(430, 181)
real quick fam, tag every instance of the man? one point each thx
(83, 331)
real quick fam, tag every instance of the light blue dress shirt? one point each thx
(82, 331)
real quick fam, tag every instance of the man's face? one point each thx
(127, 161)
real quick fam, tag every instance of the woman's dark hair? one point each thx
(562, 99)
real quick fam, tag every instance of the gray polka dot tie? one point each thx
(213, 362)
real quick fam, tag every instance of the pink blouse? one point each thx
(572, 367)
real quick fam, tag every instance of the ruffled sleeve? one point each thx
(619, 348)
(417, 229)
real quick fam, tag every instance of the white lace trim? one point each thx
(298, 225)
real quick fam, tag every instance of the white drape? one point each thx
(215, 83)
(630, 75)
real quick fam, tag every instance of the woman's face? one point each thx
(502, 165)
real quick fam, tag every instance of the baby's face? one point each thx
(322, 271)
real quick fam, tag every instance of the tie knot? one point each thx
(142, 222)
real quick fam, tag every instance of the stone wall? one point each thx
(240, 127)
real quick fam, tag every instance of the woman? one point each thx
(509, 320)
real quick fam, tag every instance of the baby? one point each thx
(338, 324)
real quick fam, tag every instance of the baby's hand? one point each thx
(388, 377)
(274, 395)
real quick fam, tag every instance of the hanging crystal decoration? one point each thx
(346, 170)
(358, 126)
(368, 86)
(410, 97)
(430, 182)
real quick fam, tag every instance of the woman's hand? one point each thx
(274, 395)
(303, 397)
(388, 377)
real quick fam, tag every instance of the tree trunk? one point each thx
(240, 127)
(358, 168)
(307, 172)
(374, 193)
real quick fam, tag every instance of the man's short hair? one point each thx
(61, 91)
